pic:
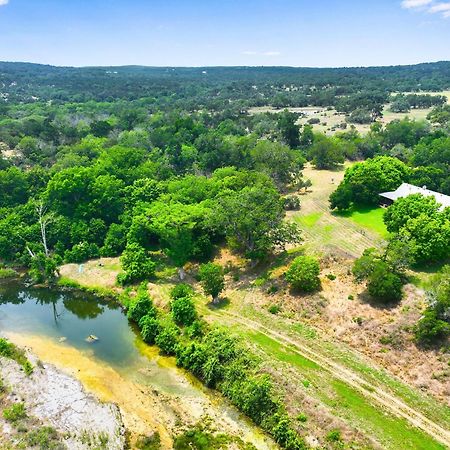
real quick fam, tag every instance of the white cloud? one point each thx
(430, 6)
(409, 4)
(271, 53)
(4, 2)
(249, 52)
(440, 7)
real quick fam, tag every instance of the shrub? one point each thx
(196, 329)
(183, 311)
(150, 328)
(181, 290)
(291, 203)
(334, 436)
(431, 328)
(136, 264)
(274, 309)
(9, 350)
(167, 339)
(43, 438)
(384, 285)
(141, 306)
(303, 274)
(82, 252)
(6, 272)
(15, 412)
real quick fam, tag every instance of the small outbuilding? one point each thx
(387, 198)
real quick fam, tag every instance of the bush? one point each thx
(431, 328)
(181, 290)
(303, 274)
(183, 311)
(196, 329)
(136, 264)
(167, 339)
(43, 438)
(9, 350)
(291, 203)
(434, 326)
(384, 285)
(6, 272)
(82, 252)
(150, 328)
(15, 412)
(274, 309)
(141, 306)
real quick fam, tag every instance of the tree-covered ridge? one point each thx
(214, 87)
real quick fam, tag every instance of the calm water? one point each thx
(69, 316)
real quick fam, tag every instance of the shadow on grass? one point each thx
(223, 303)
(365, 297)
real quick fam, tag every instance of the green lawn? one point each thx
(368, 217)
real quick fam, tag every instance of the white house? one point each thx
(387, 198)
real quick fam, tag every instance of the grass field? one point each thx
(324, 231)
(368, 217)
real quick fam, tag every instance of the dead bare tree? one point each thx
(44, 218)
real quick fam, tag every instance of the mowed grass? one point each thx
(325, 231)
(348, 402)
(392, 431)
(368, 217)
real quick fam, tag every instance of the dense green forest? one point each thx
(163, 166)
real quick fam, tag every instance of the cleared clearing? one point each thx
(328, 232)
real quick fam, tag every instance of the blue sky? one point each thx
(319, 33)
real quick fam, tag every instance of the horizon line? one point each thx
(222, 66)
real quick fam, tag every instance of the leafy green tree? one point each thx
(183, 311)
(382, 273)
(303, 274)
(363, 182)
(13, 187)
(136, 264)
(212, 280)
(410, 207)
(167, 338)
(434, 326)
(43, 269)
(406, 131)
(290, 131)
(150, 328)
(141, 306)
(383, 284)
(428, 237)
(279, 162)
(253, 221)
(326, 153)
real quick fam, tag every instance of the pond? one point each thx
(151, 391)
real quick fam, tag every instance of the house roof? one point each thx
(408, 189)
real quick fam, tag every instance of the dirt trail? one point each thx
(393, 404)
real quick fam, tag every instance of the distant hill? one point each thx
(25, 82)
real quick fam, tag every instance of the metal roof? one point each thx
(408, 189)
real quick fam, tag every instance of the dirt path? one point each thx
(393, 404)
